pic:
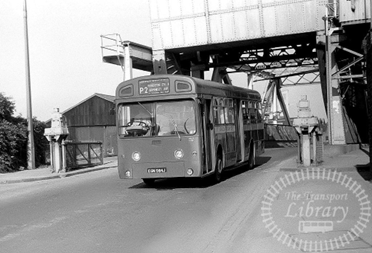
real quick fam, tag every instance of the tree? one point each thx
(6, 107)
(13, 138)
(13, 142)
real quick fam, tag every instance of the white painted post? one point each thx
(306, 150)
(63, 145)
(314, 147)
(128, 73)
(57, 157)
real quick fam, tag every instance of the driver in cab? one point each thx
(139, 125)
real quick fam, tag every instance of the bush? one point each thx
(41, 143)
(14, 137)
(13, 144)
(6, 108)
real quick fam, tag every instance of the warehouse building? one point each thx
(93, 119)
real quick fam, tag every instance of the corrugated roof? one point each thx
(104, 96)
(109, 98)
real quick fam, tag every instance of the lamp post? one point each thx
(30, 145)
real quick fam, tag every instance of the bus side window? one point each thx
(245, 112)
(221, 115)
(218, 111)
(254, 115)
(229, 111)
(252, 112)
(231, 118)
(215, 115)
(222, 108)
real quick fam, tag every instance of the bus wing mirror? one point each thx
(112, 111)
(210, 126)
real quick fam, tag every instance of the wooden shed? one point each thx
(93, 119)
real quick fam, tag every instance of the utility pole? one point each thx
(30, 128)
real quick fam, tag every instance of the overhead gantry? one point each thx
(286, 41)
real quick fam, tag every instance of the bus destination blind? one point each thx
(153, 86)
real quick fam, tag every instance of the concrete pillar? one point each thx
(314, 142)
(57, 157)
(64, 164)
(306, 158)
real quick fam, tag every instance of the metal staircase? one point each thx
(126, 54)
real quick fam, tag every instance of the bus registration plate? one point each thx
(156, 170)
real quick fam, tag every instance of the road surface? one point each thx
(98, 212)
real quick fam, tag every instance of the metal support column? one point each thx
(369, 88)
(128, 69)
(336, 129)
(159, 62)
(368, 57)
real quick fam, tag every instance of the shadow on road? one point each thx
(177, 183)
(365, 169)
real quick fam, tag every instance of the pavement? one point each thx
(325, 207)
(45, 173)
(351, 157)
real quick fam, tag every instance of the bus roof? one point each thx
(179, 85)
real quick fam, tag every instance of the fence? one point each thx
(83, 154)
(280, 135)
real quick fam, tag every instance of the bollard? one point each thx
(305, 125)
(56, 136)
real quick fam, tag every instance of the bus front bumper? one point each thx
(161, 170)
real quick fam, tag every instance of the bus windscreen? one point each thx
(163, 118)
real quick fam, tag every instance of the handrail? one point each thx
(332, 8)
(116, 47)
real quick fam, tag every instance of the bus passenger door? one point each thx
(253, 118)
(240, 133)
(208, 140)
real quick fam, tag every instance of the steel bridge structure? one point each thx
(287, 42)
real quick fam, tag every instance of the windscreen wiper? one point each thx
(175, 127)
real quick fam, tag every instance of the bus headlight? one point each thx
(136, 156)
(178, 153)
(190, 171)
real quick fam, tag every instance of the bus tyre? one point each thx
(218, 170)
(149, 181)
(252, 157)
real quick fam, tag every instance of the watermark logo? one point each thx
(316, 209)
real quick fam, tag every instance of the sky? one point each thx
(66, 64)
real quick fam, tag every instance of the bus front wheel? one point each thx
(218, 170)
(252, 157)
